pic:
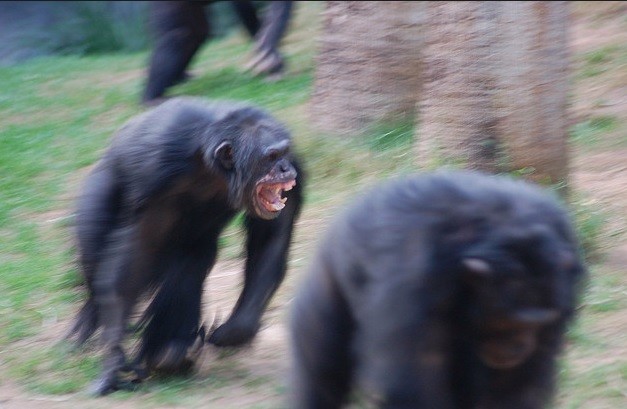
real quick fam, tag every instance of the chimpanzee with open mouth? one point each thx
(149, 218)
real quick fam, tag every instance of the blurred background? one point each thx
(370, 90)
(40, 28)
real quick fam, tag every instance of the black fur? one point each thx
(440, 291)
(150, 215)
(181, 27)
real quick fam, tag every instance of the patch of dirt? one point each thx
(602, 178)
(255, 373)
(600, 28)
(589, 35)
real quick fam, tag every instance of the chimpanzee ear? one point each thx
(224, 155)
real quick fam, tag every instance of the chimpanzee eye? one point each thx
(273, 156)
(275, 151)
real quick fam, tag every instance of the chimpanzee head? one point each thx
(254, 153)
(522, 280)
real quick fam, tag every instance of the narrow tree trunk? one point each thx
(534, 84)
(367, 66)
(458, 124)
(495, 87)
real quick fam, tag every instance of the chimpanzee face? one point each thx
(519, 287)
(261, 169)
(267, 200)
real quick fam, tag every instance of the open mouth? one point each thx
(504, 354)
(269, 194)
(503, 361)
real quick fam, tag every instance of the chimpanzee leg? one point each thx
(267, 250)
(275, 22)
(173, 317)
(115, 292)
(247, 14)
(267, 59)
(85, 323)
(180, 29)
(96, 218)
(321, 331)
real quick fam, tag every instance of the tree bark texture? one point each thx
(495, 87)
(367, 69)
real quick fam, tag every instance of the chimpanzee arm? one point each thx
(406, 354)
(267, 250)
(322, 330)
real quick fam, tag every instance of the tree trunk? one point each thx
(367, 66)
(535, 82)
(495, 87)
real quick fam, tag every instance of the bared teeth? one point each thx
(277, 202)
(289, 185)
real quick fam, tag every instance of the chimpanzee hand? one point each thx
(234, 332)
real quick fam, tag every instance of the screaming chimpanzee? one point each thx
(148, 222)
(441, 291)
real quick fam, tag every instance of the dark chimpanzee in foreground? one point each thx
(181, 27)
(148, 222)
(443, 291)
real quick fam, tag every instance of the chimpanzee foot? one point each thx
(103, 386)
(266, 62)
(179, 357)
(117, 374)
(109, 384)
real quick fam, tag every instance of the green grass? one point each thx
(51, 130)
(590, 131)
(593, 371)
(596, 62)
